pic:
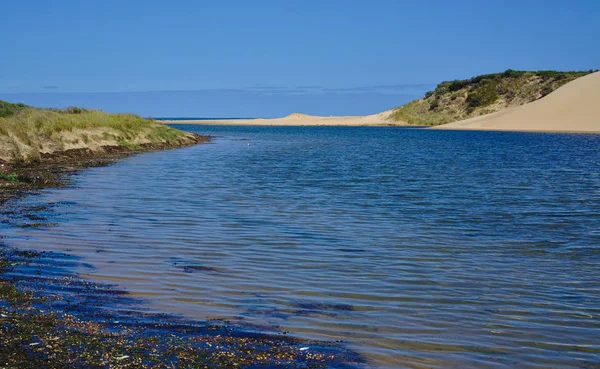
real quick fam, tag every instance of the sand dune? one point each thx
(299, 119)
(575, 107)
(300, 116)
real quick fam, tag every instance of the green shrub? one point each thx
(74, 110)
(482, 96)
(12, 177)
(434, 104)
(511, 73)
(441, 88)
(458, 85)
(546, 90)
(8, 109)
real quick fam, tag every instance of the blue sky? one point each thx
(269, 58)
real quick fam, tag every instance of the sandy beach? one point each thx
(572, 108)
(575, 107)
(298, 119)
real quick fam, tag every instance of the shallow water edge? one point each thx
(52, 317)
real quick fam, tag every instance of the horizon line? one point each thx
(254, 89)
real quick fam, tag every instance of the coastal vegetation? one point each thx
(28, 133)
(7, 109)
(462, 99)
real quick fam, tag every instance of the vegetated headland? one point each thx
(51, 318)
(571, 108)
(459, 100)
(456, 100)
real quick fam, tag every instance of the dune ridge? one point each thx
(456, 100)
(574, 107)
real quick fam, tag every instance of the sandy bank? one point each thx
(575, 107)
(297, 119)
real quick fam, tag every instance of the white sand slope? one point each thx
(575, 107)
(298, 119)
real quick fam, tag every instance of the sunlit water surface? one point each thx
(418, 248)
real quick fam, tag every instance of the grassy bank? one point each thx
(462, 99)
(27, 134)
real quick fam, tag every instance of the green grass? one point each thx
(162, 133)
(130, 145)
(25, 130)
(49, 121)
(488, 93)
(11, 177)
(7, 109)
(419, 113)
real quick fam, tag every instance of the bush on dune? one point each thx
(484, 94)
(8, 109)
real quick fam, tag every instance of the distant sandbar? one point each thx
(298, 119)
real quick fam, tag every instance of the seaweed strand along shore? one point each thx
(51, 318)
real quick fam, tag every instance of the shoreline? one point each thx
(51, 170)
(268, 123)
(571, 108)
(523, 130)
(279, 122)
(298, 119)
(276, 122)
(50, 317)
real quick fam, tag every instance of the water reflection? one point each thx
(418, 248)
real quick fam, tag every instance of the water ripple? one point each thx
(421, 249)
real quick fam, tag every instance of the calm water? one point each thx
(419, 249)
(196, 118)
